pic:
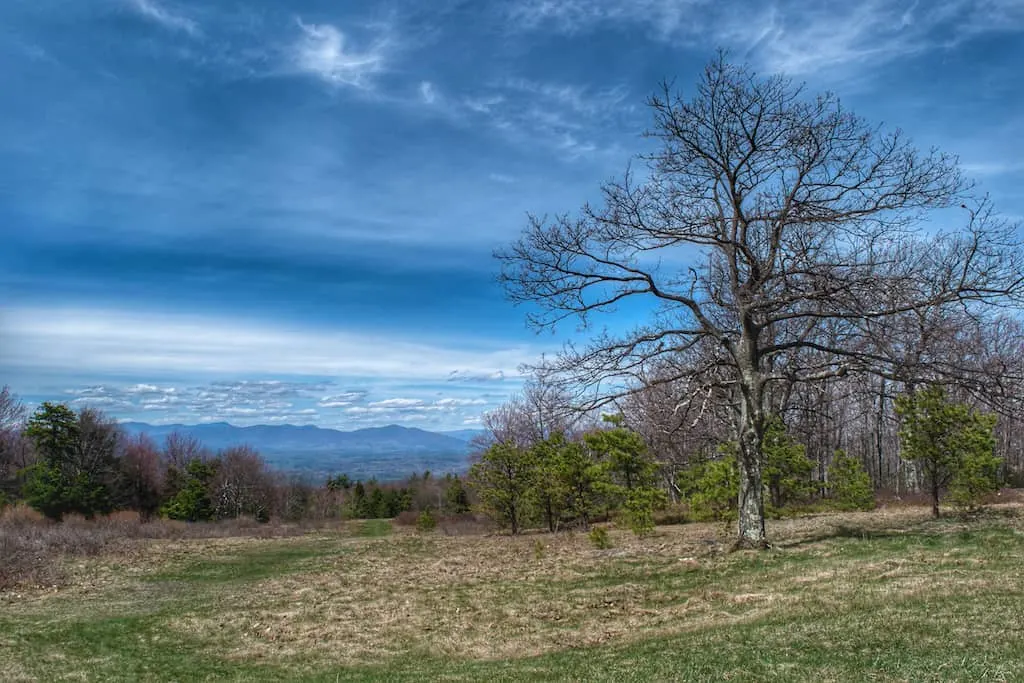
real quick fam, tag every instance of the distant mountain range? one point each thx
(390, 452)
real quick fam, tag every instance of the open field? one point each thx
(888, 595)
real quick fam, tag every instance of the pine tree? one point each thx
(77, 462)
(953, 443)
(550, 490)
(456, 497)
(716, 487)
(787, 469)
(192, 502)
(580, 481)
(503, 479)
(631, 475)
(849, 484)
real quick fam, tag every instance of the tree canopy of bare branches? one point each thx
(542, 409)
(779, 240)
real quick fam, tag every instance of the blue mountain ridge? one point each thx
(388, 452)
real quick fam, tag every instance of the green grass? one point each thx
(248, 566)
(857, 598)
(373, 528)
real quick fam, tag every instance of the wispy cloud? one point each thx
(324, 51)
(797, 37)
(793, 36)
(341, 400)
(440, 412)
(161, 344)
(475, 376)
(984, 16)
(666, 18)
(801, 38)
(397, 403)
(993, 168)
(428, 92)
(579, 100)
(485, 104)
(456, 402)
(250, 401)
(572, 120)
(160, 14)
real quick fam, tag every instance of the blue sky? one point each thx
(270, 212)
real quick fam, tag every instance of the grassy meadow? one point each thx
(890, 595)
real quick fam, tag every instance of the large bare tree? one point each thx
(777, 238)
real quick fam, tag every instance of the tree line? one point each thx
(542, 462)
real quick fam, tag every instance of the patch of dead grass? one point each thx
(363, 600)
(493, 597)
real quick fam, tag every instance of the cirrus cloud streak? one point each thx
(169, 344)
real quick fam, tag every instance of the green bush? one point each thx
(716, 485)
(456, 497)
(674, 513)
(638, 509)
(192, 502)
(849, 485)
(599, 538)
(976, 477)
(787, 469)
(426, 521)
(55, 493)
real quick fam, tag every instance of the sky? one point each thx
(285, 212)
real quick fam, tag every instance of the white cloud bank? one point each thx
(161, 345)
(250, 402)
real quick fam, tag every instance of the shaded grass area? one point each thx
(248, 566)
(849, 597)
(372, 528)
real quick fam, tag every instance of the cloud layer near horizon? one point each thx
(253, 402)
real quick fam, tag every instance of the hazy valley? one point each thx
(382, 453)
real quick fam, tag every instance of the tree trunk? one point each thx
(935, 500)
(751, 439)
(670, 481)
(751, 501)
(879, 425)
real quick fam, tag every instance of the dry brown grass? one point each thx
(333, 597)
(499, 597)
(34, 551)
